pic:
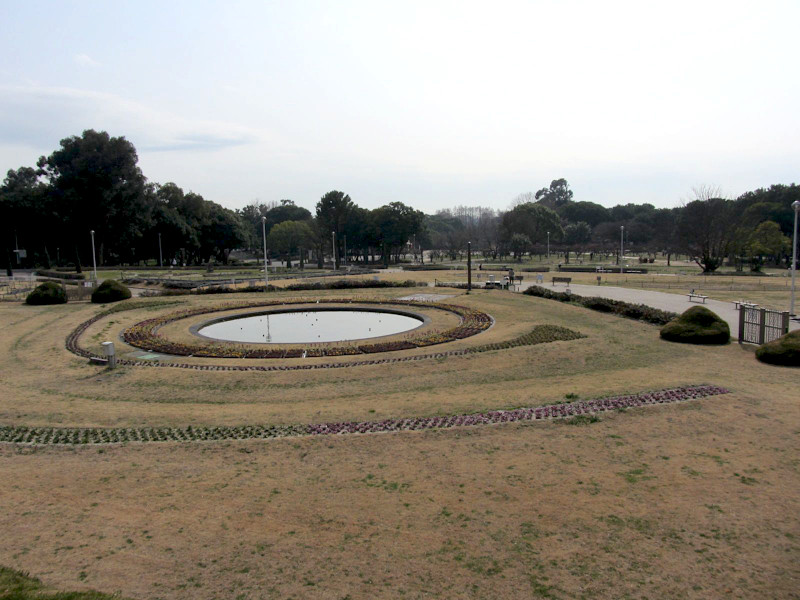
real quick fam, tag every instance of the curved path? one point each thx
(661, 300)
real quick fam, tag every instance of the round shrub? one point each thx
(698, 325)
(47, 293)
(110, 291)
(784, 351)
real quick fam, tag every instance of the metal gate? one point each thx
(760, 325)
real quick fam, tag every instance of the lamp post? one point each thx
(333, 242)
(160, 257)
(94, 260)
(796, 207)
(469, 267)
(548, 244)
(621, 243)
(264, 235)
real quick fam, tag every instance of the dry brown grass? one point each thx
(698, 500)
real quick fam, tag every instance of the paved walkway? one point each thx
(672, 302)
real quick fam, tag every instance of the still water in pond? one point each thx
(309, 327)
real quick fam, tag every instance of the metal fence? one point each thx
(761, 325)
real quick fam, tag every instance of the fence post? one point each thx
(762, 325)
(785, 323)
(742, 311)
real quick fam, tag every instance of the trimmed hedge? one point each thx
(110, 291)
(47, 293)
(785, 351)
(59, 274)
(698, 325)
(639, 312)
(339, 284)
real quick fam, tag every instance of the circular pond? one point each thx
(309, 326)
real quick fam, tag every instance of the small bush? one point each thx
(698, 325)
(47, 293)
(784, 351)
(110, 291)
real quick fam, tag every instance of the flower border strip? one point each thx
(80, 436)
(540, 334)
(144, 335)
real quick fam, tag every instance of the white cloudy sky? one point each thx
(430, 103)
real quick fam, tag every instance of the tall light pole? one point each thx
(94, 260)
(264, 235)
(796, 207)
(333, 242)
(469, 267)
(548, 244)
(621, 243)
(160, 258)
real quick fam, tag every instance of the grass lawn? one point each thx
(691, 500)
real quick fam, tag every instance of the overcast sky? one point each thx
(429, 103)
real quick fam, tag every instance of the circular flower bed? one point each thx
(145, 335)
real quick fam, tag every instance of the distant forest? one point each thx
(92, 182)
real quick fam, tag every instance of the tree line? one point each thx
(92, 182)
(749, 231)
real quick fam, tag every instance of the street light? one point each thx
(333, 242)
(548, 244)
(621, 243)
(796, 207)
(94, 260)
(264, 235)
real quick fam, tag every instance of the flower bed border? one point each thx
(143, 334)
(94, 436)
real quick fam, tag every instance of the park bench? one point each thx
(565, 280)
(738, 304)
(693, 295)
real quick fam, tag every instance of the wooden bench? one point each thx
(738, 304)
(566, 280)
(693, 295)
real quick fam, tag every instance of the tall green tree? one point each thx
(96, 184)
(533, 221)
(333, 210)
(766, 240)
(396, 224)
(288, 237)
(555, 196)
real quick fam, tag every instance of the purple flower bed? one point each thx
(77, 436)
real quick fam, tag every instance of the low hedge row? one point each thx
(78, 436)
(59, 274)
(639, 312)
(339, 284)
